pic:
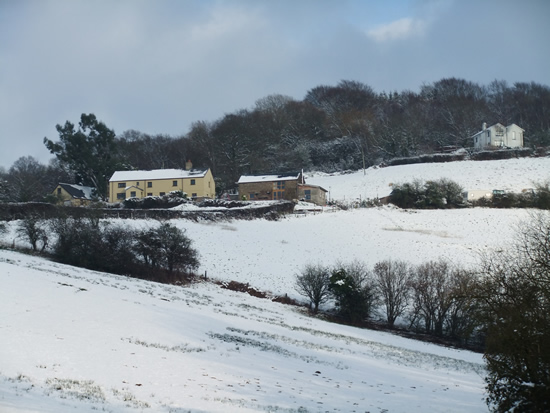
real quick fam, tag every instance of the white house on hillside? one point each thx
(498, 135)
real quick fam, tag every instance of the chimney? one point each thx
(188, 165)
(484, 126)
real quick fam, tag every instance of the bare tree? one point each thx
(313, 282)
(392, 281)
(33, 230)
(462, 320)
(26, 180)
(431, 295)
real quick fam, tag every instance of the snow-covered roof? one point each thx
(78, 191)
(313, 186)
(246, 179)
(497, 124)
(157, 174)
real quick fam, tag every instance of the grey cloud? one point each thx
(157, 66)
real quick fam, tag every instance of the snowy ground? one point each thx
(268, 254)
(509, 175)
(77, 340)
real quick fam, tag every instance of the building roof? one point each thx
(313, 186)
(246, 179)
(157, 174)
(78, 191)
(497, 124)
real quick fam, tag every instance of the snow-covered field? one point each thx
(78, 340)
(510, 175)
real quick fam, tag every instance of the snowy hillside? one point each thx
(77, 340)
(509, 175)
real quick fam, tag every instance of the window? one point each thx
(194, 195)
(278, 194)
(251, 196)
(162, 193)
(192, 182)
(514, 135)
(122, 184)
(58, 191)
(149, 184)
(137, 183)
(281, 185)
(488, 133)
(121, 195)
(133, 194)
(174, 183)
(149, 194)
(307, 194)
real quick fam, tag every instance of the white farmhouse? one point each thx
(498, 135)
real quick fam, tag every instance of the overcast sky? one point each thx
(158, 66)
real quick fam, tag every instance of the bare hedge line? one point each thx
(14, 211)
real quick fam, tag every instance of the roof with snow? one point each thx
(313, 186)
(78, 191)
(498, 124)
(246, 179)
(157, 174)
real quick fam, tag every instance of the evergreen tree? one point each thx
(90, 152)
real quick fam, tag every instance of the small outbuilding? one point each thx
(75, 195)
(312, 193)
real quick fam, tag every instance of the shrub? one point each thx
(161, 254)
(33, 230)
(169, 200)
(442, 193)
(352, 287)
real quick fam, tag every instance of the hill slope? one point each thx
(76, 339)
(509, 175)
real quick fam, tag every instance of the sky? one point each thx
(158, 66)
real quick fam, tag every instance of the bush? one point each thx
(498, 154)
(352, 287)
(161, 254)
(539, 198)
(442, 193)
(169, 200)
(166, 247)
(33, 230)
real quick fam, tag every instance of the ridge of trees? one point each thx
(346, 126)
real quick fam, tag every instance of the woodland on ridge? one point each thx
(333, 128)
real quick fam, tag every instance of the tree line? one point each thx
(502, 305)
(347, 126)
